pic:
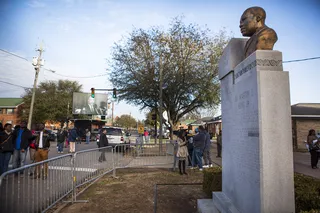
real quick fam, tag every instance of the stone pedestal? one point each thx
(257, 163)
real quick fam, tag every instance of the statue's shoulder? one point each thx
(268, 32)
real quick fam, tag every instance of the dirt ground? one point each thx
(133, 192)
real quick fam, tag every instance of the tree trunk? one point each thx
(171, 128)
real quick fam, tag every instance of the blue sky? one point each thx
(78, 36)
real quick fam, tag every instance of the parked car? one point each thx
(115, 136)
(131, 136)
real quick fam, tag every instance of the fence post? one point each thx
(74, 193)
(114, 175)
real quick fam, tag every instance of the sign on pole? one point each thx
(141, 129)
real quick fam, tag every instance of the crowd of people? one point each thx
(16, 143)
(194, 148)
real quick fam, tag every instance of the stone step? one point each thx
(206, 206)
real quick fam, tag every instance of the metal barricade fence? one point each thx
(55, 178)
(138, 155)
(50, 182)
(91, 164)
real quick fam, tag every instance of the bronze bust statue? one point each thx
(252, 24)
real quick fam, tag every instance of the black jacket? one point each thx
(199, 140)
(26, 138)
(103, 141)
(8, 145)
(45, 139)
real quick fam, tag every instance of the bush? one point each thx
(307, 189)
(307, 193)
(212, 180)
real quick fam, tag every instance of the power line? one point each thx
(14, 54)
(53, 71)
(69, 76)
(14, 84)
(304, 59)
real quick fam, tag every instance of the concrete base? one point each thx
(223, 203)
(206, 206)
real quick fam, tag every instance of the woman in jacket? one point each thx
(313, 142)
(6, 148)
(182, 152)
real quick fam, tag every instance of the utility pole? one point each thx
(37, 66)
(68, 115)
(160, 103)
(112, 113)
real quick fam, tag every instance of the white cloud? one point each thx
(36, 4)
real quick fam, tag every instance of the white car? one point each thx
(115, 136)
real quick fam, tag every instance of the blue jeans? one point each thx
(197, 157)
(87, 139)
(60, 147)
(19, 158)
(4, 161)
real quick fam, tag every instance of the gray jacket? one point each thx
(199, 140)
(208, 141)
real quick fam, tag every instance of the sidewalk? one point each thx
(301, 162)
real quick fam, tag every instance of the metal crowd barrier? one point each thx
(50, 182)
(63, 175)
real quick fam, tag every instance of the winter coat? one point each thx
(208, 141)
(182, 148)
(103, 141)
(73, 135)
(199, 141)
(26, 138)
(45, 139)
(61, 136)
(8, 145)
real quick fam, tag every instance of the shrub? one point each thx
(212, 180)
(307, 189)
(307, 193)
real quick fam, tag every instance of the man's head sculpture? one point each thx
(252, 24)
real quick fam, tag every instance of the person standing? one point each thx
(206, 152)
(103, 142)
(72, 140)
(199, 141)
(146, 136)
(88, 135)
(182, 152)
(21, 138)
(219, 144)
(43, 144)
(314, 146)
(190, 147)
(6, 147)
(61, 136)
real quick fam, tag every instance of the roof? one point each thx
(10, 102)
(305, 110)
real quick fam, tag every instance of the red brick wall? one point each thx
(303, 127)
(4, 117)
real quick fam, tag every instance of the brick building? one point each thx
(305, 116)
(9, 108)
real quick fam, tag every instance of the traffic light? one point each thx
(114, 95)
(92, 92)
(154, 117)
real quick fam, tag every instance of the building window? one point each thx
(9, 111)
(9, 122)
